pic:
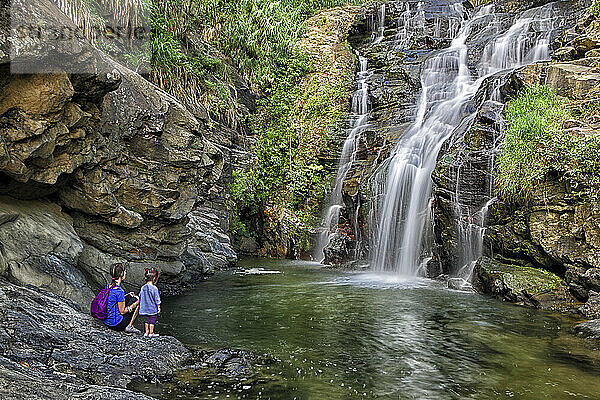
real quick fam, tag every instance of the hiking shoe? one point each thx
(132, 329)
(153, 335)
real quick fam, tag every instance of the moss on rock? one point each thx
(522, 285)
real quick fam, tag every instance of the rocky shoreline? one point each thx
(101, 166)
(50, 349)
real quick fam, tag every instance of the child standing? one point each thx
(150, 301)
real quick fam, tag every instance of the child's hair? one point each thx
(151, 274)
(117, 270)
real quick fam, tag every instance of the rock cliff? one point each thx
(100, 167)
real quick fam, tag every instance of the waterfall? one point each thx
(359, 122)
(379, 35)
(359, 115)
(514, 48)
(399, 242)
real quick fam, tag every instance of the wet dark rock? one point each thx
(591, 308)
(340, 249)
(588, 329)
(248, 245)
(47, 339)
(459, 284)
(565, 54)
(227, 370)
(468, 157)
(228, 363)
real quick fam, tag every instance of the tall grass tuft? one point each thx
(536, 144)
(534, 123)
(83, 14)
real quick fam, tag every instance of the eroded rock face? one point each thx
(40, 247)
(135, 205)
(129, 164)
(557, 228)
(44, 338)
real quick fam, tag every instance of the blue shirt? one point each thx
(115, 295)
(149, 300)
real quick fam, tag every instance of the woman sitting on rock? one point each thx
(122, 309)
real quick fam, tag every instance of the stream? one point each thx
(340, 335)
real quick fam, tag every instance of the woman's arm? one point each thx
(124, 310)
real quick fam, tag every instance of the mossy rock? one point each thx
(522, 285)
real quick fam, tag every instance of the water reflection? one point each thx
(345, 335)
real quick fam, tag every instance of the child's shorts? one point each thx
(151, 319)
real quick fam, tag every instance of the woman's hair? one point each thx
(151, 274)
(117, 270)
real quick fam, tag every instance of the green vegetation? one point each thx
(258, 38)
(594, 9)
(294, 123)
(198, 46)
(537, 144)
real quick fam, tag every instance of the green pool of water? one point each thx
(355, 335)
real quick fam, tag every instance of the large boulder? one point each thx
(40, 247)
(522, 285)
(572, 80)
(591, 308)
(589, 329)
(208, 248)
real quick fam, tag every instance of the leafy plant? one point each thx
(536, 144)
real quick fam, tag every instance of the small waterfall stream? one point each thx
(359, 116)
(379, 35)
(359, 122)
(399, 243)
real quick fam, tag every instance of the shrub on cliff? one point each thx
(294, 122)
(536, 144)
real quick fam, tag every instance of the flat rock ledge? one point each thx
(50, 349)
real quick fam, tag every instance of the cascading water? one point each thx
(358, 118)
(448, 87)
(516, 47)
(359, 122)
(379, 35)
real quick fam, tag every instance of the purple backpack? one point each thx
(99, 304)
